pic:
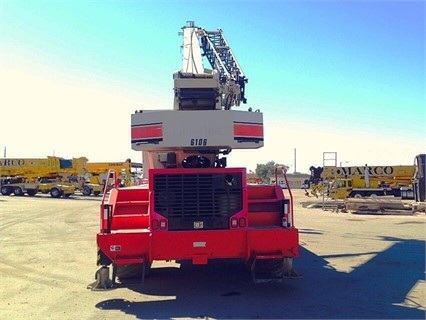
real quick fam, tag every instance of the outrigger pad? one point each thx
(103, 282)
(272, 270)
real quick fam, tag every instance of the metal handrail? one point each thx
(284, 172)
(105, 213)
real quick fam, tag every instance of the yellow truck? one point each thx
(98, 171)
(37, 167)
(32, 170)
(369, 181)
(76, 174)
(86, 187)
(91, 179)
(55, 187)
(19, 186)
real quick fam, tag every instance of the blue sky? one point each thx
(341, 76)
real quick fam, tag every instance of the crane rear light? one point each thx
(159, 224)
(163, 224)
(155, 224)
(238, 222)
(234, 222)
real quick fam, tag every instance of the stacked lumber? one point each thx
(384, 204)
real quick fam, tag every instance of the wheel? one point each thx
(55, 193)
(373, 195)
(6, 191)
(357, 195)
(86, 191)
(18, 191)
(32, 192)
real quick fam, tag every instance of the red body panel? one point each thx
(128, 234)
(147, 131)
(248, 130)
(187, 245)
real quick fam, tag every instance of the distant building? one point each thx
(252, 178)
(294, 179)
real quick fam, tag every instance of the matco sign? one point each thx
(360, 171)
(12, 162)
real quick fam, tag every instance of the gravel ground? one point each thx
(352, 266)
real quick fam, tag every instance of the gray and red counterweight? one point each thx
(213, 129)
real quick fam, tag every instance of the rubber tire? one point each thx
(32, 192)
(357, 195)
(6, 191)
(373, 195)
(86, 191)
(18, 191)
(55, 193)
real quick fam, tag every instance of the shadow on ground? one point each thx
(223, 290)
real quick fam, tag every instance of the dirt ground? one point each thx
(352, 266)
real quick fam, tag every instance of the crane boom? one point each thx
(221, 58)
(225, 86)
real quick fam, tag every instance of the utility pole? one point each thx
(295, 160)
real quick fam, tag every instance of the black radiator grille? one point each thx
(198, 201)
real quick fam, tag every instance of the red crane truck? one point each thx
(194, 207)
